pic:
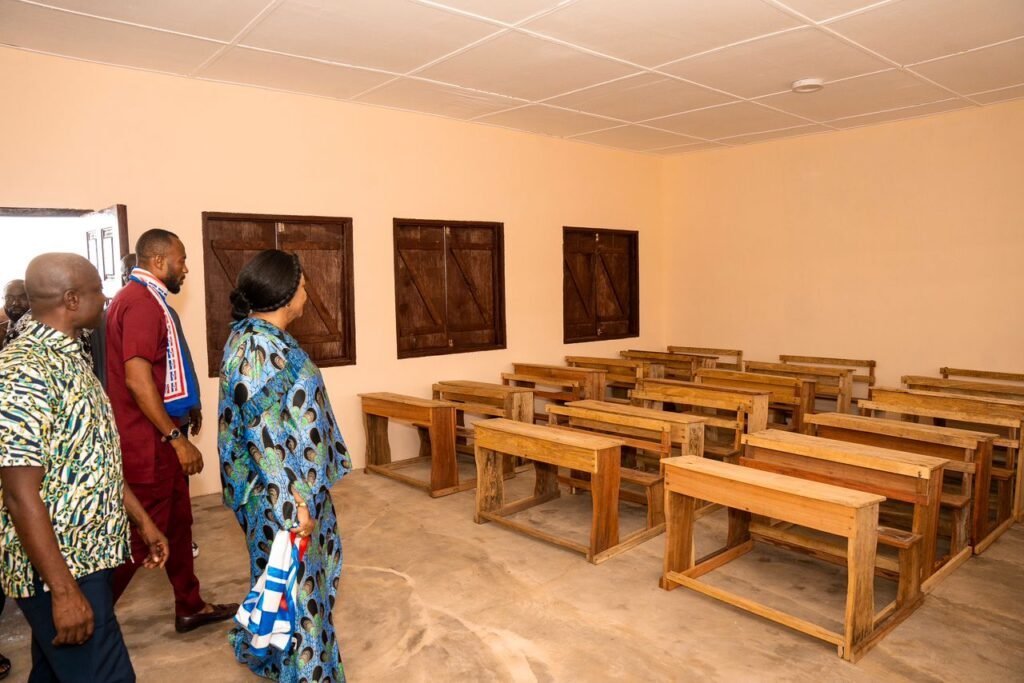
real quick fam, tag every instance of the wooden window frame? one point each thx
(498, 285)
(634, 286)
(347, 294)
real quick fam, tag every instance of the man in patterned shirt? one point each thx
(64, 524)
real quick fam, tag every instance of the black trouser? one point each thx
(103, 657)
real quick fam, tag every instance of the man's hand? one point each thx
(157, 543)
(189, 456)
(195, 418)
(72, 616)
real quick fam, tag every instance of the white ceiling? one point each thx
(661, 76)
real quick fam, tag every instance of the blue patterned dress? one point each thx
(278, 437)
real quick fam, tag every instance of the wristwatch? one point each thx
(175, 433)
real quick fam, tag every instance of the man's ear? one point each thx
(71, 300)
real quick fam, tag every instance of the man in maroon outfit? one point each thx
(157, 458)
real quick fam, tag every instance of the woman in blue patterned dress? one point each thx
(280, 452)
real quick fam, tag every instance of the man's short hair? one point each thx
(154, 242)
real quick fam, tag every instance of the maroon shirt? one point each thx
(136, 329)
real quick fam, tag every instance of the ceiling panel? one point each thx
(896, 114)
(508, 11)
(540, 119)
(912, 31)
(522, 66)
(266, 69)
(994, 67)
(999, 95)
(395, 35)
(74, 35)
(657, 31)
(635, 137)
(770, 65)
(218, 19)
(820, 10)
(729, 119)
(437, 98)
(774, 134)
(640, 97)
(867, 94)
(697, 147)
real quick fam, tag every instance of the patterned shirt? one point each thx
(54, 415)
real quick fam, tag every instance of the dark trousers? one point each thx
(103, 657)
(170, 507)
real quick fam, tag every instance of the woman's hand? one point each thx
(306, 521)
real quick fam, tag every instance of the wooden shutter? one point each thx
(326, 329)
(600, 290)
(449, 287)
(228, 244)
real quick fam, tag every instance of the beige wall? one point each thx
(82, 135)
(902, 242)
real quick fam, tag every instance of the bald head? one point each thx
(50, 277)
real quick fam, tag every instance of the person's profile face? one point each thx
(298, 302)
(91, 302)
(175, 268)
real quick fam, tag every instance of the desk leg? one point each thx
(490, 493)
(926, 522)
(444, 468)
(604, 492)
(679, 518)
(378, 450)
(860, 591)
(546, 485)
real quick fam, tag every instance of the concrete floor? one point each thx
(427, 595)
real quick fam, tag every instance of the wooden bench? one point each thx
(1002, 417)
(556, 383)
(677, 366)
(969, 454)
(653, 432)
(485, 400)
(789, 395)
(852, 515)
(949, 373)
(1013, 392)
(898, 475)
(864, 370)
(831, 384)
(723, 355)
(550, 449)
(621, 376)
(734, 411)
(435, 423)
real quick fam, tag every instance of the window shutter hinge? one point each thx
(451, 343)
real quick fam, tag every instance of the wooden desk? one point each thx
(557, 383)
(435, 422)
(788, 394)
(897, 475)
(550, 449)
(852, 515)
(864, 369)
(831, 383)
(969, 454)
(1013, 392)
(622, 374)
(723, 356)
(678, 366)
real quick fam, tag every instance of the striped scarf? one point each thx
(268, 611)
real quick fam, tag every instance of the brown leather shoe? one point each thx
(218, 613)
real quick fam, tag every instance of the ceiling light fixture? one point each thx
(808, 85)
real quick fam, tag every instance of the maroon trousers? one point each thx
(168, 504)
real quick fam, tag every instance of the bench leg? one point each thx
(378, 450)
(490, 494)
(444, 467)
(860, 591)
(547, 480)
(604, 492)
(656, 504)
(679, 518)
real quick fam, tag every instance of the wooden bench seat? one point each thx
(897, 475)
(435, 423)
(654, 433)
(621, 374)
(849, 514)
(1013, 392)
(950, 373)
(863, 369)
(550, 449)
(726, 359)
(969, 455)
(832, 384)
(789, 395)
(677, 366)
